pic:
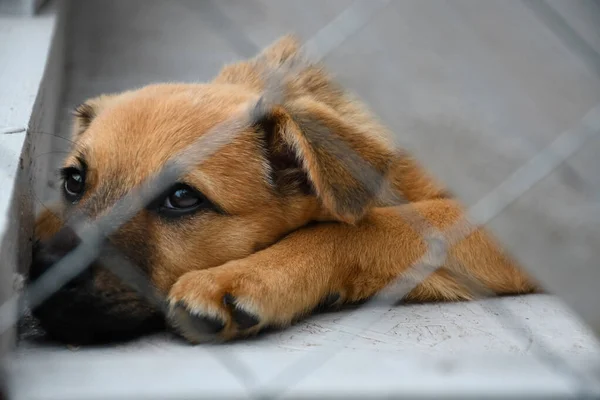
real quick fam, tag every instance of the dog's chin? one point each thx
(78, 316)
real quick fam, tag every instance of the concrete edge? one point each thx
(37, 107)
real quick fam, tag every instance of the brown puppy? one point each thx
(301, 208)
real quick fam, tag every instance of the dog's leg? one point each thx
(333, 263)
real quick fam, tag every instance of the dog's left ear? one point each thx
(84, 114)
(308, 142)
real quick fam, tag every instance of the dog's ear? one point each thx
(251, 72)
(282, 50)
(308, 144)
(84, 114)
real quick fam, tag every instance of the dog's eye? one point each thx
(73, 183)
(180, 200)
(183, 198)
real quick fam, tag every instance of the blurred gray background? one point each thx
(454, 80)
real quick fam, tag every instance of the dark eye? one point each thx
(182, 198)
(74, 183)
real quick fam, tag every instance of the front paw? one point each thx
(204, 307)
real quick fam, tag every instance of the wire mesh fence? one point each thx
(438, 243)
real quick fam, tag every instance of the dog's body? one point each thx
(309, 206)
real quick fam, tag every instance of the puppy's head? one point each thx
(313, 156)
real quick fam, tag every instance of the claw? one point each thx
(243, 319)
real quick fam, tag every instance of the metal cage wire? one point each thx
(340, 29)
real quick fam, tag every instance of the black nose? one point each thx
(49, 252)
(82, 313)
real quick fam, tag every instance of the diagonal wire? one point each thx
(553, 156)
(483, 211)
(346, 24)
(522, 180)
(508, 319)
(339, 41)
(534, 176)
(428, 271)
(129, 273)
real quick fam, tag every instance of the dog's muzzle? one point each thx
(84, 312)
